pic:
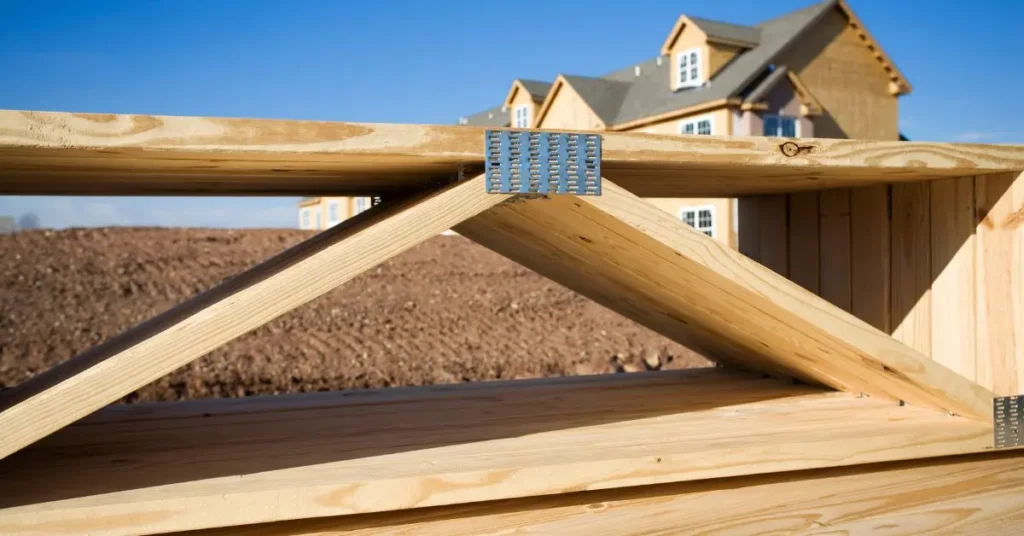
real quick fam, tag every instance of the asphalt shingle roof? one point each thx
(537, 89)
(727, 31)
(624, 95)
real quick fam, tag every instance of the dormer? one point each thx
(523, 101)
(698, 48)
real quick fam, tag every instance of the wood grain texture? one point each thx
(836, 264)
(143, 469)
(954, 328)
(619, 251)
(773, 233)
(107, 372)
(804, 240)
(869, 239)
(104, 154)
(911, 265)
(981, 494)
(748, 237)
(1000, 287)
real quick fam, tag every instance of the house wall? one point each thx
(847, 79)
(690, 37)
(520, 98)
(722, 123)
(724, 228)
(938, 264)
(783, 100)
(569, 111)
(725, 231)
(719, 55)
(346, 209)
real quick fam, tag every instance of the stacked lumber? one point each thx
(819, 421)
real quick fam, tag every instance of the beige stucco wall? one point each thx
(346, 209)
(722, 124)
(724, 229)
(518, 99)
(569, 111)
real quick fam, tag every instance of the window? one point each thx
(780, 125)
(304, 216)
(362, 203)
(688, 71)
(333, 213)
(522, 117)
(318, 214)
(701, 218)
(703, 126)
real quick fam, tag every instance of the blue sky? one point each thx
(429, 62)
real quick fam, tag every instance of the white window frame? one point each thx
(361, 204)
(695, 121)
(305, 218)
(522, 116)
(335, 206)
(685, 78)
(319, 217)
(695, 209)
(778, 133)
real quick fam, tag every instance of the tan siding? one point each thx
(844, 75)
(719, 55)
(569, 111)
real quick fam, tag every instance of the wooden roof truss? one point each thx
(859, 396)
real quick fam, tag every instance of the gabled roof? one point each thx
(716, 31)
(604, 96)
(535, 88)
(650, 96)
(640, 93)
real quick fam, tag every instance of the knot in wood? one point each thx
(790, 149)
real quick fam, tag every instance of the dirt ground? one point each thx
(446, 311)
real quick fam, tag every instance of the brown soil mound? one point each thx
(446, 311)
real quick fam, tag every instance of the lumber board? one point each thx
(641, 262)
(748, 217)
(143, 469)
(184, 333)
(964, 495)
(60, 153)
(1000, 280)
(869, 248)
(954, 327)
(911, 265)
(835, 234)
(803, 240)
(773, 231)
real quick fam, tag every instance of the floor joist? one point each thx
(967, 495)
(150, 350)
(651, 267)
(106, 154)
(144, 469)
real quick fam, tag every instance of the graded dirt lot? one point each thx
(445, 311)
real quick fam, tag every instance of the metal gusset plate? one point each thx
(1008, 414)
(544, 163)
